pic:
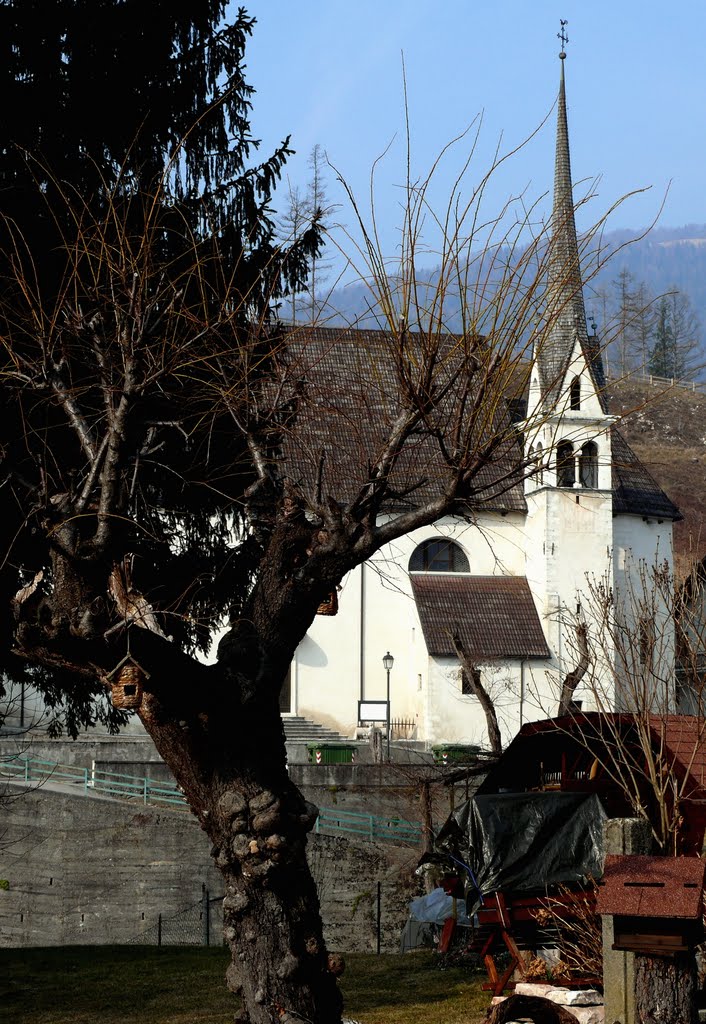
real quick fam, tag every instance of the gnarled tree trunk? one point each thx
(230, 762)
(535, 1008)
(665, 989)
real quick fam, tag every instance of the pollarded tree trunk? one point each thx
(534, 1008)
(665, 989)
(231, 765)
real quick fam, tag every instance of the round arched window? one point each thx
(565, 467)
(575, 393)
(438, 555)
(588, 465)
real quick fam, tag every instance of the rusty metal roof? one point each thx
(652, 887)
(494, 616)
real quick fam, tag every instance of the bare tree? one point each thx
(483, 695)
(640, 660)
(293, 224)
(171, 455)
(574, 677)
(321, 208)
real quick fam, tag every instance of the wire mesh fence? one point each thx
(199, 924)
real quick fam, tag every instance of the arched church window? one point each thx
(565, 468)
(438, 555)
(588, 465)
(575, 393)
(538, 456)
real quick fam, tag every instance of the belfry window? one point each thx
(538, 454)
(438, 555)
(575, 393)
(565, 468)
(588, 465)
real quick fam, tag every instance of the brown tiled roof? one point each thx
(351, 383)
(681, 740)
(494, 616)
(635, 492)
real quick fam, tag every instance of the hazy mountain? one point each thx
(664, 258)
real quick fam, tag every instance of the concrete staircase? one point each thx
(302, 730)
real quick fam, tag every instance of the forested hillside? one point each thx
(647, 302)
(667, 429)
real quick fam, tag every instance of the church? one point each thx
(523, 585)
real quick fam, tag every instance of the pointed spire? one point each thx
(564, 301)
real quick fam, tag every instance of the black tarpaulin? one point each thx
(524, 842)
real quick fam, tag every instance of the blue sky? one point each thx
(329, 72)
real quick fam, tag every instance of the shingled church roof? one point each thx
(635, 491)
(352, 389)
(494, 616)
(350, 382)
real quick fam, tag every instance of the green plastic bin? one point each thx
(455, 753)
(330, 753)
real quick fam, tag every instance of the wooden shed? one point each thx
(603, 753)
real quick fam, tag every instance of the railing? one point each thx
(90, 780)
(368, 826)
(374, 828)
(665, 382)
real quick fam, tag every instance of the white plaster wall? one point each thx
(641, 547)
(459, 718)
(331, 665)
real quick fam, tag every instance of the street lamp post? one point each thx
(387, 662)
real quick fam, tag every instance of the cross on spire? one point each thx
(563, 37)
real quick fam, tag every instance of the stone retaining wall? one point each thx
(82, 870)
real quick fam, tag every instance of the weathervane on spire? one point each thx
(563, 38)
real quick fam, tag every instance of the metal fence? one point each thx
(372, 827)
(90, 780)
(199, 924)
(368, 826)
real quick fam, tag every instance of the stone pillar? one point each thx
(621, 836)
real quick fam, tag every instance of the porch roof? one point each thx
(494, 616)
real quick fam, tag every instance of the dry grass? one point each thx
(667, 429)
(146, 985)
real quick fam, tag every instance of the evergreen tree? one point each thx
(662, 355)
(686, 334)
(140, 356)
(676, 353)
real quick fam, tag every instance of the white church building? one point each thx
(512, 583)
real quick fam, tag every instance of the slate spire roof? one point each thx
(565, 309)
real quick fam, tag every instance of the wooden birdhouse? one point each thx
(127, 683)
(329, 606)
(656, 903)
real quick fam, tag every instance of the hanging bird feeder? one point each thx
(127, 684)
(330, 605)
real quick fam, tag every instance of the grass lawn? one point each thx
(172, 985)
